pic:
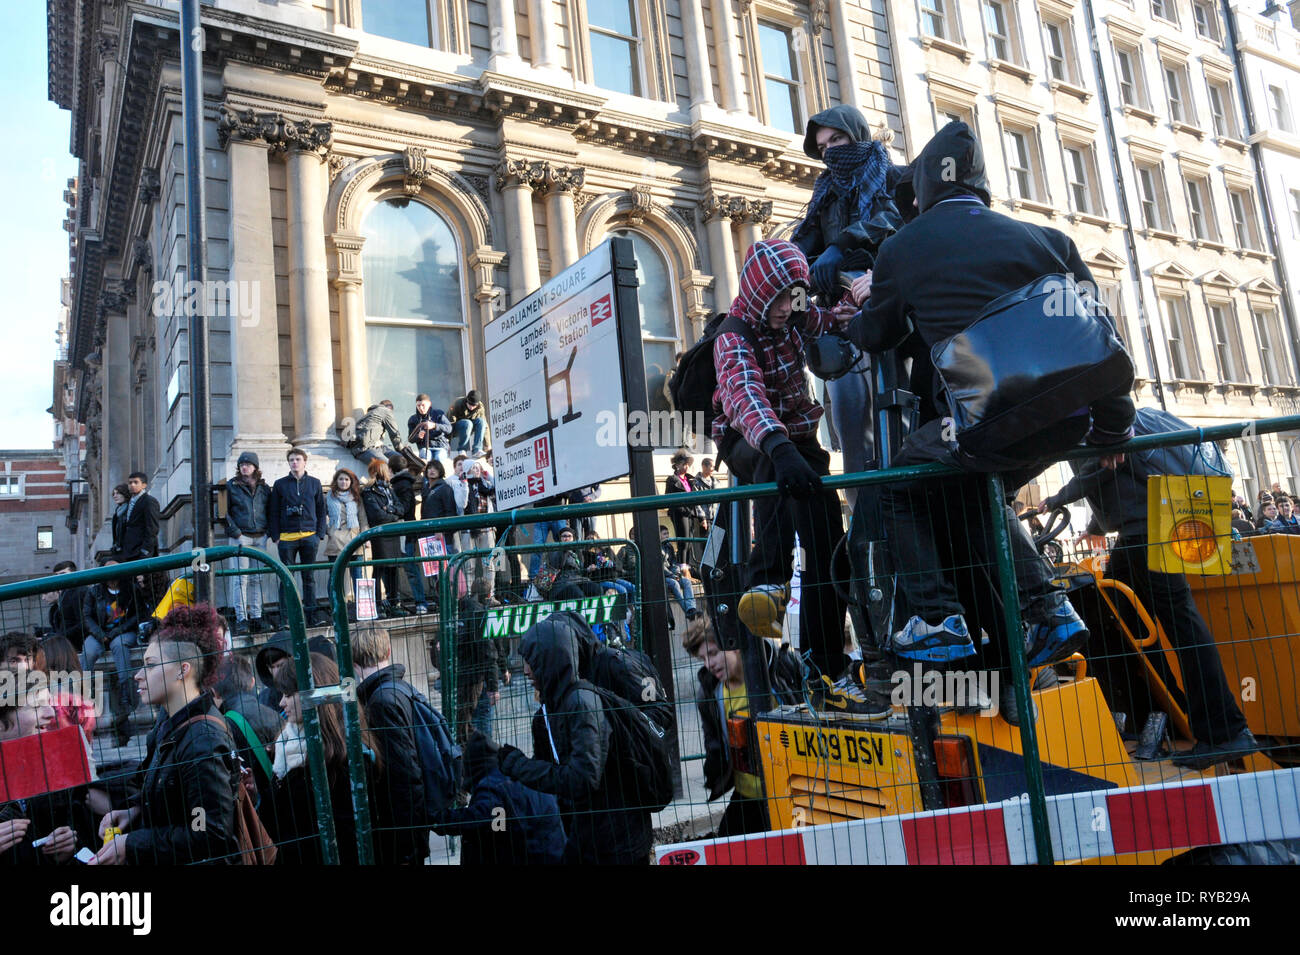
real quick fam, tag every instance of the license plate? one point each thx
(841, 747)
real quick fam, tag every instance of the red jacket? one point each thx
(768, 393)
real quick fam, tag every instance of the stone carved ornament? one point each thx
(275, 129)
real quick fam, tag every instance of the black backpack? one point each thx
(630, 675)
(640, 755)
(441, 761)
(694, 379)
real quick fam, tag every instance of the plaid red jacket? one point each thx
(759, 394)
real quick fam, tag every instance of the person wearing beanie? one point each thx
(247, 499)
(468, 421)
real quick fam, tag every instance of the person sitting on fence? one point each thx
(468, 421)
(253, 725)
(60, 818)
(289, 808)
(190, 771)
(677, 577)
(572, 738)
(505, 823)
(722, 695)
(399, 807)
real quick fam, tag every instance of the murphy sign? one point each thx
(515, 620)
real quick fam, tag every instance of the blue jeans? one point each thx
(126, 697)
(300, 552)
(482, 718)
(249, 605)
(414, 571)
(682, 592)
(460, 435)
(554, 528)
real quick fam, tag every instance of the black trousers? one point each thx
(743, 816)
(919, 514)
(1211, 706)
(819, 524)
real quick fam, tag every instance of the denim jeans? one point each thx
(249, 604)
(682, 592)
(554, 528)
(126, 697)
(414, 571)
(460, 435)
(301, 552)
(482, 718)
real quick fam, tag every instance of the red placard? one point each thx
(43, 763)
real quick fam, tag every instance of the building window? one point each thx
(1132, 89)
(1180, 105)
(1165, 10)
(935, 20)
(949, 114)
(1295, 212)
(11, 485)
(415, 312)
(1114, 300)
(1269, 337)
(1080, 173)
(1224, 116)
(1227, 347)
(1243, 219)
(1155, 204)
(995, 23)
(1202, 213)
(1060, 51)
(1207, 22)
(660, 340)
(1022, 165)
(780, 78)
(411, 21)
(615, 54)
(45, 538)
(1278, 108)
(1183, 363)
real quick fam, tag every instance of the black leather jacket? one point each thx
(246, 508)
(187, 791)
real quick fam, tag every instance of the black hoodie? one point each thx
(959, 255)
(837, 222)
(572, 738)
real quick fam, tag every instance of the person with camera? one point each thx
(428, 430)
(297, 522)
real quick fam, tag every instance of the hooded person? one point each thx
(572, 743)
(277, 649)
(936, 276)
(766, 430)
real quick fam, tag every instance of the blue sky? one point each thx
(34, 166)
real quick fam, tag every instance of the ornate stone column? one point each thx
(352, 323)
(753, 214)
(116, 356)
(504, 36)
(845, 62)
(309, 300)
(255, 351)
(483, 262)
(545, 35)
(717, 211)
(698, 73)
(726, 36)
(559, 184)
(515, 180)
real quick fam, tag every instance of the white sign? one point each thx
(553, 366)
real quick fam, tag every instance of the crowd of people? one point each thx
(1275, 513)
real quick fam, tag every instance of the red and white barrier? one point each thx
(1226, 810)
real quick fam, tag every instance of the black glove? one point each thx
(794, 475)
(505, 754)
(826, 271)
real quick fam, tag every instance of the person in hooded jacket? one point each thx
(572, 740)
(935, 276)
(408, 475)
(851, 213)
(529, 832)
(384, 507)
(248, 499)
(766, 430)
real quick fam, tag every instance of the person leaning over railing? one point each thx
(189, 773)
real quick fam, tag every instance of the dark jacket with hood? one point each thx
(439, 500)
(838, 222)
(378, 422)
(404, 484)
(786, 675)
(572, 742)
(187, 767)
(247, 507)
(530, 832)
(401, 827)
(764, 395)
(958, 256)
(281, 645)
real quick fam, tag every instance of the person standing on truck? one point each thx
(1118, 499)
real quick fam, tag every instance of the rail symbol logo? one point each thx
(536, 484)
(601, 309)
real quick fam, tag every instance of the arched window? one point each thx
(657, 298)
(415, 309)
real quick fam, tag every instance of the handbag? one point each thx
(1030, 359)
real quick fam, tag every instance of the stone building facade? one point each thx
(34, 535)
(381, 185)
